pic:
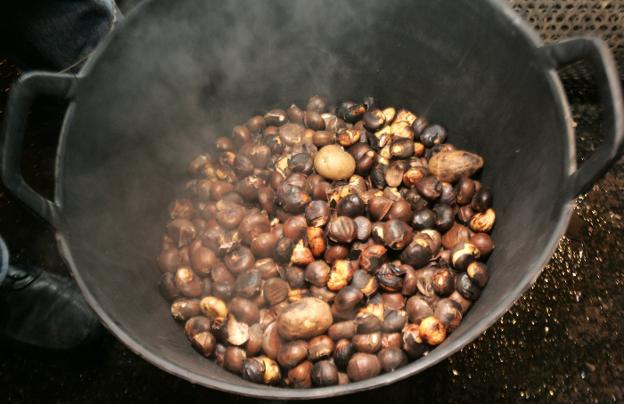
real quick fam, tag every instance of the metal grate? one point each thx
(559, 19)
(555, 20)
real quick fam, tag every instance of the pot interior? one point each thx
(176, 76)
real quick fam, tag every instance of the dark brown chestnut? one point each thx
(169, 260)
(390, 277)
(317, 213)
(202, 260)
(418, 253)
(317, 273)
(292, 198)
(401, 148)
(372, 257)
(341, 229)
(363, 366)
(366, 283)
(391, 359)
(445, 217)
(342, 353)
(238, 261)
(412, 344)
(244, 310)
(300, 377)
(267, 268)
(417, 309)
(295, 227)
(252, 225)
(391, 340)
(463, 254)
(397, 234)
(292, 353)
(204, 343)
(295, 114)
(393, 301)
(276, 117)
(256, 123)
(334, 253)
(477, 271)
(253, 370)
(466, 287)
(351, 205)
(320, 347)
(367, 323)
(322, 293)
(324, 373)
(342, 329)
(457, 234)
(465, 214)
(482, 200)
(241, 135)
(283, 250)
(275, 290)
(181, 231)
(378, 207)
(348, 298)
(313, 120)
(401, 210)
(373, 119)
(187, 283)
(449, 313)
(483, 242)
(233, 359)
(196, 325)
(263, 245)
(430, 188)
(443, 282)
(295, 277)
(394, 321)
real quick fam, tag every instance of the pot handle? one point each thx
(596, 52)
(27, 88)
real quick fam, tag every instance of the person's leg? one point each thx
(53, 34)
(44, 310)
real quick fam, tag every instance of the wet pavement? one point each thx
(561, 342)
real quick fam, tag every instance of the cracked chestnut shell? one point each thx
(397, 234)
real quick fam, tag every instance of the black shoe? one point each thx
(46, 311)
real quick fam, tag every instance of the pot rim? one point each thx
(435, 356)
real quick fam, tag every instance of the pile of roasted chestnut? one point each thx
(319, 247)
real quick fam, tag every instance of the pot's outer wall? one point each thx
(176, 75)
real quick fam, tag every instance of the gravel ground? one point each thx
(561, 342)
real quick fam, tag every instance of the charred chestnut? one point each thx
(466, 287)
(324, 373)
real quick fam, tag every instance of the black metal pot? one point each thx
(176, 74)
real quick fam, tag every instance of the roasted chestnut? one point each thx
(363, 366)
(324, 373)
(391, 359)
(341, 229)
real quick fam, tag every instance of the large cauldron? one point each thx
(176, 74)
